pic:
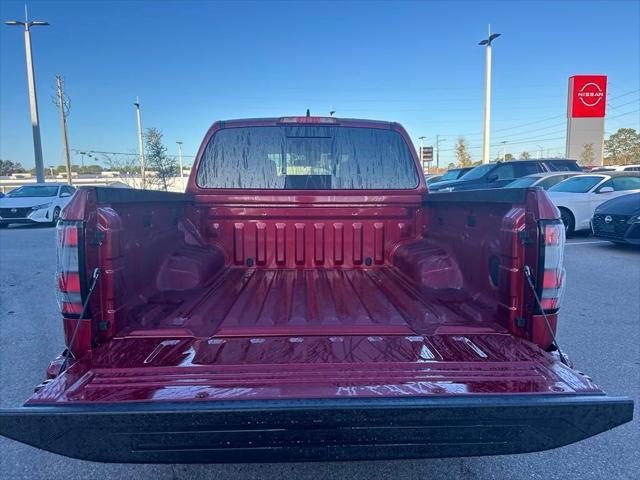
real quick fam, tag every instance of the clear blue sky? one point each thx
(417, 63)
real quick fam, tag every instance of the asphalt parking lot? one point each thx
(599, 329)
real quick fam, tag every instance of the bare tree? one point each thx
(587, 157)
(126, 166)
(162, 168)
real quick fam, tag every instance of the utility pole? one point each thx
(504, 150)
(438, 153)
(487, 97)
(180, 163)
(63, 105)
(140, 144)
(33, 100)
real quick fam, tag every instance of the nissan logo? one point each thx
(590, 94)
(608, 219)
(14, 210)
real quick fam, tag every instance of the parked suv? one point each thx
(499, 174)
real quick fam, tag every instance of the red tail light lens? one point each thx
(549, 303)
(551, 283)
(69, 274)
(67, 236)
(552, 279)
(69, 282)
(553, 235)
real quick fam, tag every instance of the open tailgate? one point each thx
(302, 430)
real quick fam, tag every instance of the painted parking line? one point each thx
(593, 242)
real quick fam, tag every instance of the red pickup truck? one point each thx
(308, 299)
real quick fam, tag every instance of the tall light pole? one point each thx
(438, 152)
(420, 153)
(33, 100)
(487, 97)
(140, 144)
(504, 150)
(180, 163)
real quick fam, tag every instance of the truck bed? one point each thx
(287, 334)
(241, 302)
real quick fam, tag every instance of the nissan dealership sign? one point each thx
(586, 108)
(587, 95)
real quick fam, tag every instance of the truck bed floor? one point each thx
(250, 302)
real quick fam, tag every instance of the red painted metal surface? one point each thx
(290, 237)
(184, 369)
(309, 294)
(246, 302)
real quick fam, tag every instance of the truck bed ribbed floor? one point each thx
(282, 302)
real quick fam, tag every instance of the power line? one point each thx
(614, 107)
(78, 150)
(535, 122)
(623, 114)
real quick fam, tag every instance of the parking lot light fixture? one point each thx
(487, 96)
(33, 100)
(140, 143)
(180, 164)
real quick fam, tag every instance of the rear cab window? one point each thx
(563, 166)
(527, 168)
(307, 157)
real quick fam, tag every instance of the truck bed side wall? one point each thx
(143, 244)
(492, 234)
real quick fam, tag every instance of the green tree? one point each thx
(508, 157)
(462, 154)
(622, 147)
(94, 169)
(7, 167)
(162, 168)
(587, 157)
(525, 155)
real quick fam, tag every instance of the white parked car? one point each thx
(577, 197)
(617, 168)
(35, 203)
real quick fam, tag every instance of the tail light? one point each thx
(551, 279)
(69, 275)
